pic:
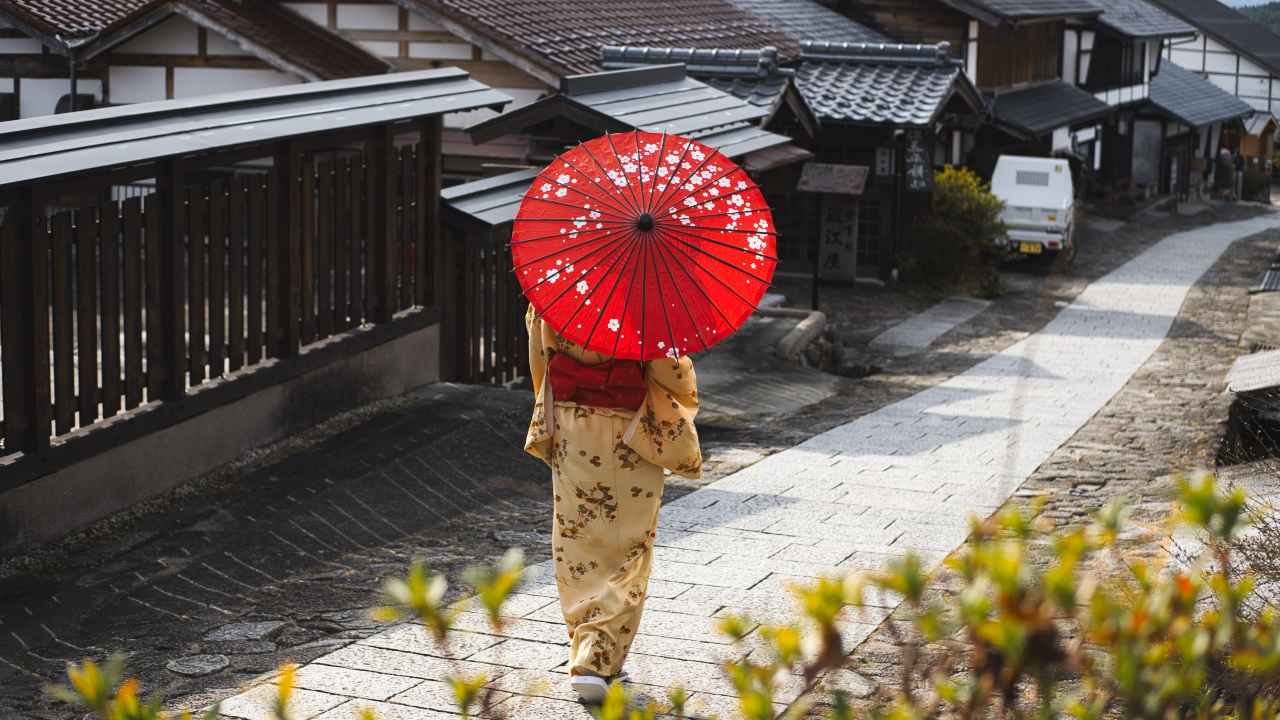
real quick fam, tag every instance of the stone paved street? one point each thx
(903, 478)
(279, 556)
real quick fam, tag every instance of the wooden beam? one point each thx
(403, 35)
(233, 62)
(40, 66)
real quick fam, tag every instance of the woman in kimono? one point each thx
(608, 429)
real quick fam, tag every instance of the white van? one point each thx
(1039, 199)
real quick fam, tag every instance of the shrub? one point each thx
(955, 244)
(1021, 639)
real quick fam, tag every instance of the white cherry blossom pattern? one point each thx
(657, 239)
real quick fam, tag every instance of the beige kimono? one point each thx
(606, 473)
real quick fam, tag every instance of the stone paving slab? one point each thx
(919, 331)
(976, 438)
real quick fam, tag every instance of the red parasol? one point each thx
(643, 245)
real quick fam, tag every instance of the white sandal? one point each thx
(590, 688)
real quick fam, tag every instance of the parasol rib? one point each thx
(616, 202)
(561, 203)
(621, 256)
(617, 280)
(666, 199)
(717, 278)
(570, 285)
(703, 238)
(697, 285)
(567, 248)
(630, 190)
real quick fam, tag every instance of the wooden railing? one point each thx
(239, 270)
(490, 343)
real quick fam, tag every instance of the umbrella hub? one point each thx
(644, 223)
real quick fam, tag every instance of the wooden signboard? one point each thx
(838, 245)
(834, 179)
(919, 170)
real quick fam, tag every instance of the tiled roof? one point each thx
(285, 39)
(1230, 28)
(73, 18)
(1027, 9)
(1142, 19)
(661, 98)
(753, 75)
(564, 37)
(1192, 99)
(879, 84)
(807, 20)
(1040, 109)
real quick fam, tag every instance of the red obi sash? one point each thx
(613, 384)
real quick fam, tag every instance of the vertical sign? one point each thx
(884, 162)
(838, 249)
(919, 170)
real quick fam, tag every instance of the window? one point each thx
(1033, 178)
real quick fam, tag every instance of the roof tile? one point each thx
(877, 84)
(75, 18)
(300, 42)
(565, 36)
(1231, 28)
(1040, 109)
(1192, 99)
(1141, 19)
(807, 20)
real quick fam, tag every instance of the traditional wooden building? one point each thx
(1192, 114)
(1238, 55)
(128, 51)
(899, 112)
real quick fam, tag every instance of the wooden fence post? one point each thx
(430, 219)
(173, 253)
(24, 322)
(382, 205)
(289, 206)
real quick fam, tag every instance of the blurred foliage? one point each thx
(1089, 634)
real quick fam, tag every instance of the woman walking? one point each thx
(608, 429)
(635, 250)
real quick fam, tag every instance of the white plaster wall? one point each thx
(40, 97)
(19, 46)
(1189, 59)
(449, 51)
(417, 22)
(219, 45)
(317, 13)
(175, 36)
(1226, 82)
(368, 17)
(130, 84)
(381, 48)
(1214, 62)
(193, 82)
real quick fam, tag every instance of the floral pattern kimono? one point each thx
(607, 478)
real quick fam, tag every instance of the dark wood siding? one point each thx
(912, 21)
(1016, 55)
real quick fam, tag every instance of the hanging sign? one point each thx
(838, 248)
(834, 179)
(919, 170)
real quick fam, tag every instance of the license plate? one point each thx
(1028, 248)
